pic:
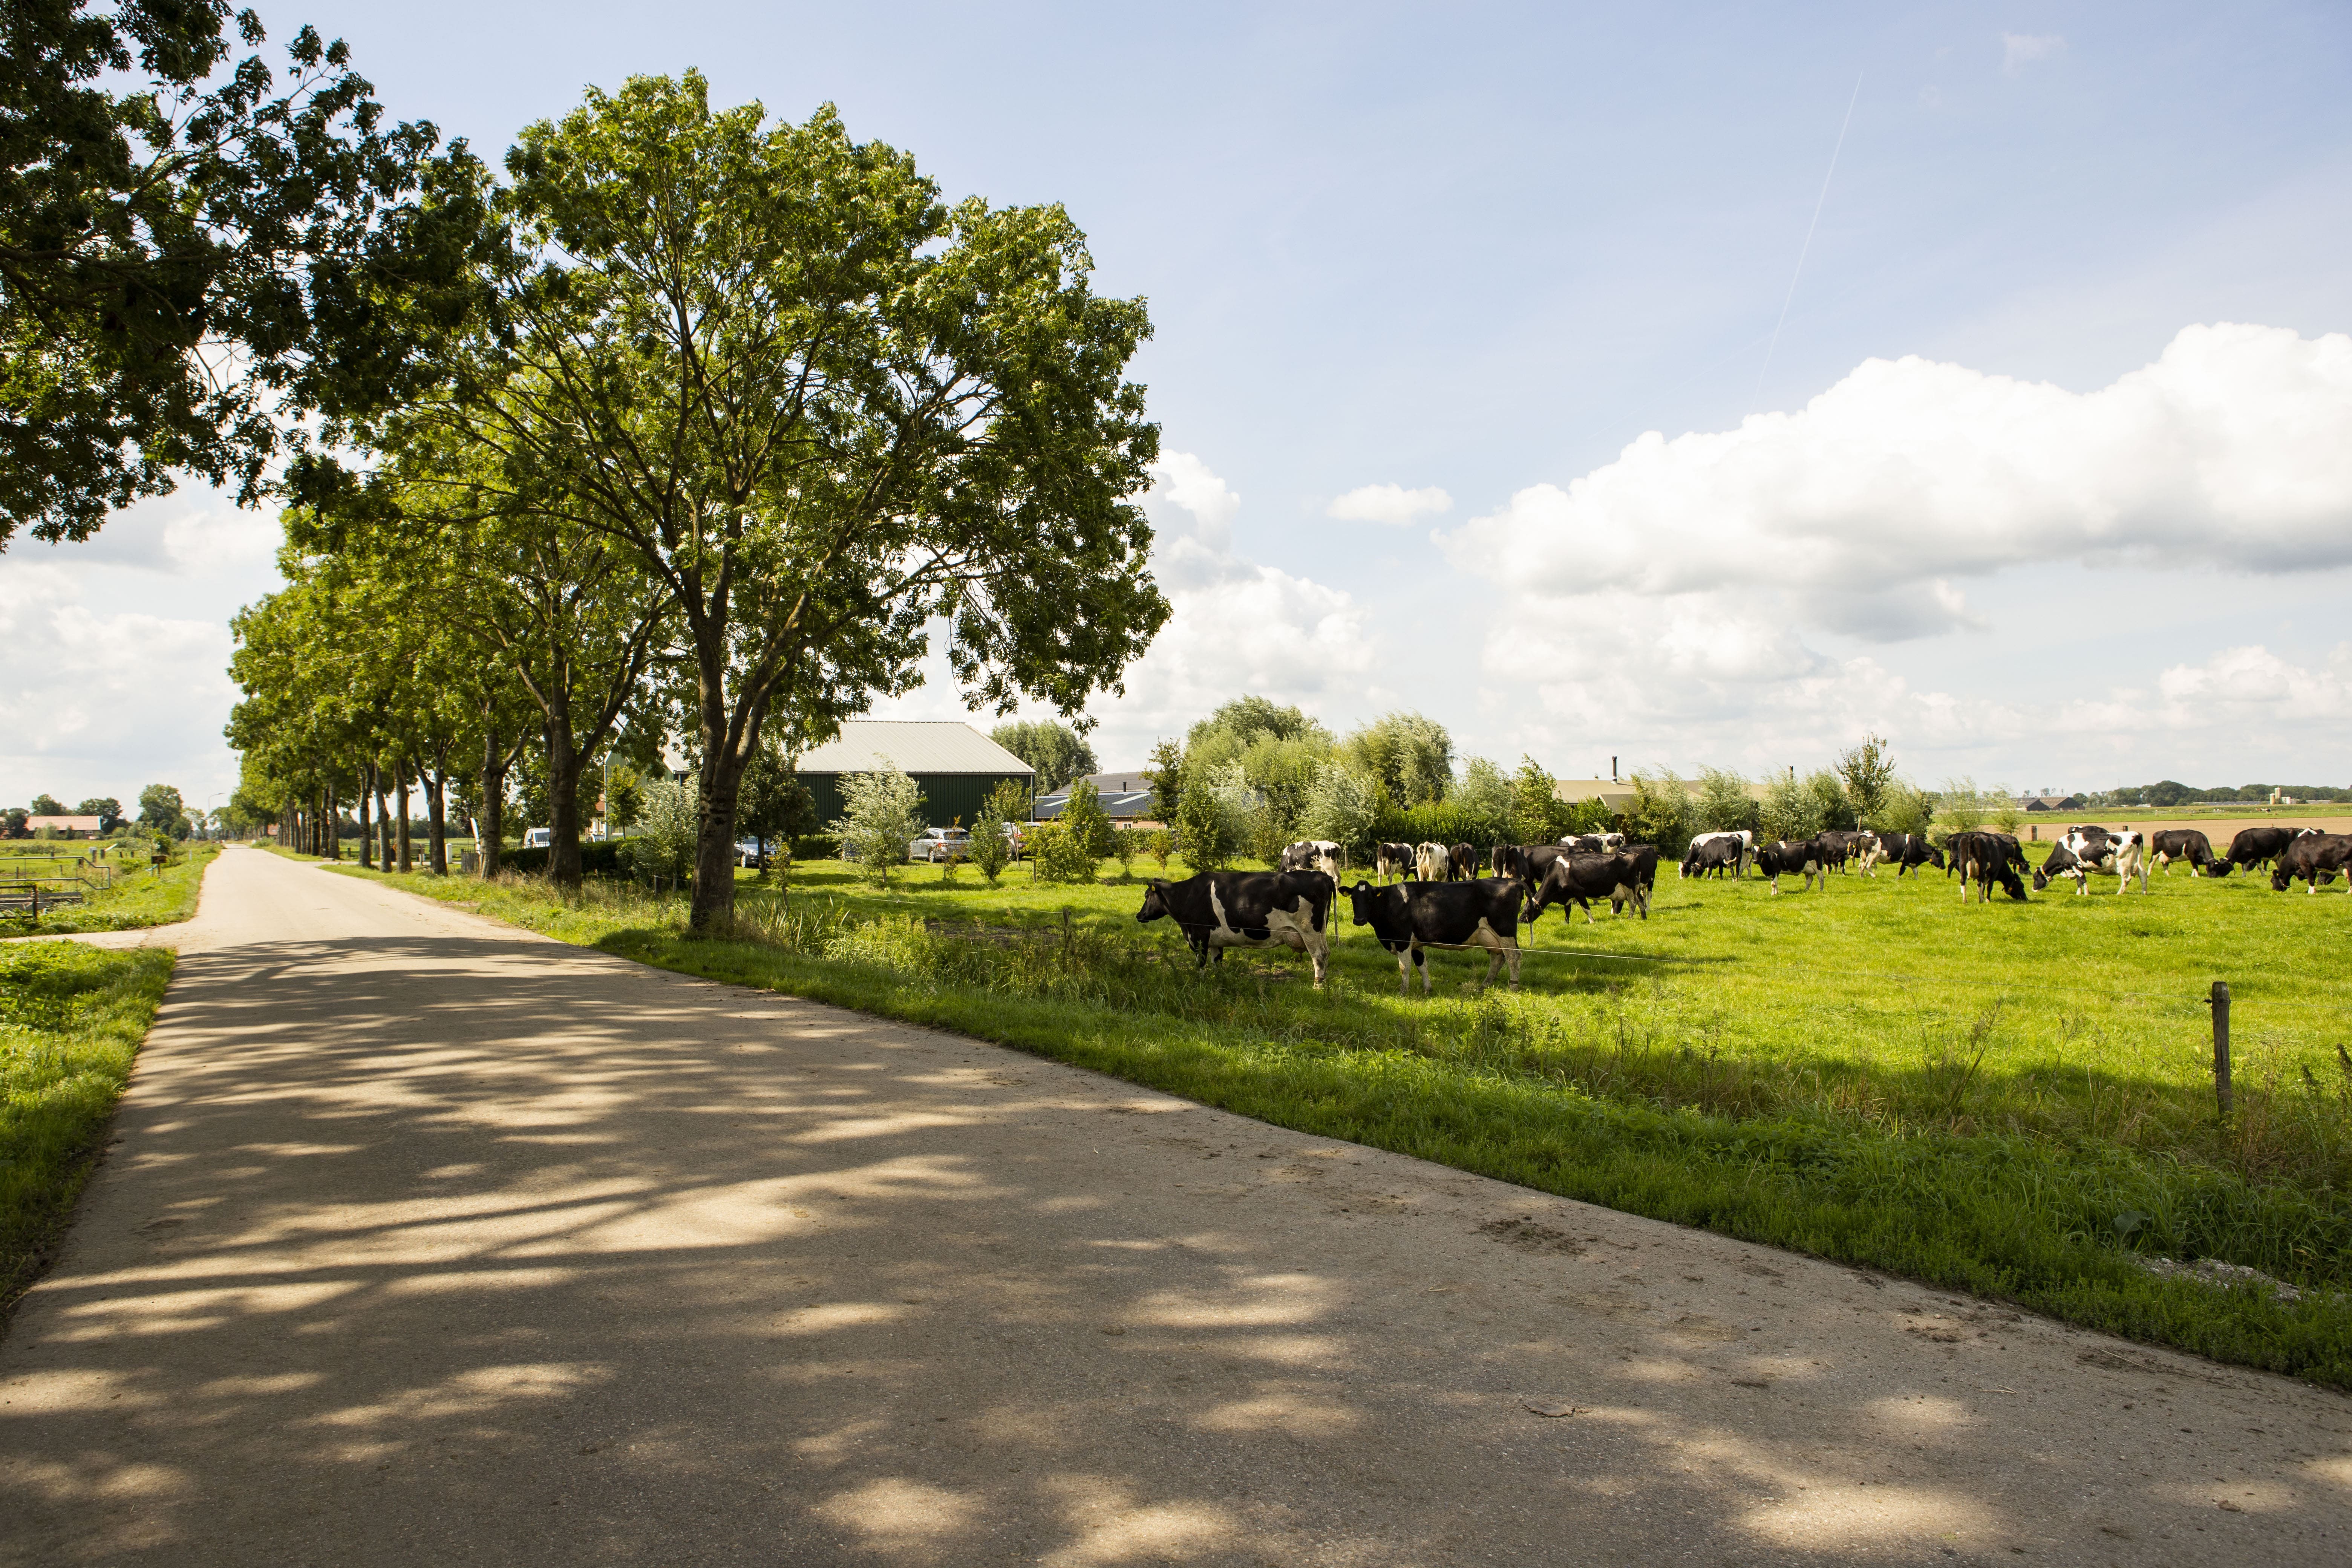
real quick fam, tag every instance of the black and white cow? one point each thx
(1841, 846)
(1431, 862)
(1907, 852)
(2084, 850)
(2316, 857)
(1411, 917)
(1645, 877)
(1744, 850)
(1394, 860)
(1593, 843)
(1218, 909)
(1507, 860)
(1578, 879)
(1462, 864)
(2182, 843)
(1717, 853)
(2261, 846)
(1985, 859)
(1314, 855)
(1791, 857)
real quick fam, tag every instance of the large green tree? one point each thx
(1057, 751)
(825, 410)
(193, 249)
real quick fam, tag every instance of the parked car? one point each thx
(746, 855)
(938, 844)
(538, 837)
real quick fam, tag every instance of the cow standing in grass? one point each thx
(1905, 852)
(2316, 858)
(1394, 861)
(1218, 909)
(1700, 858)
(2088, 850)
(1462, 864)
(2258, 847)
(2182, 843)
(1411, 917)
(1791, 857)
(1575, 880)
(1985, 859)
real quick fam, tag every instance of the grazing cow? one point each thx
(1742, 841)
(1909, 851)
(1218, 909)
(2182, 843)
(1462, 864)
(1841, 845)
(1985, 859)
(1715, 852)
(2088, 850)
(1594, 843)
(1394, 860)
(1533, 860)
(1314, 855)
(2316, 857)
(1791, 859)
(1431, 862)
(1645, 876)
(1413, 916)
(1578, 879)
(2261, 846)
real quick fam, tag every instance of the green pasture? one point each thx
(140, 896)
(71, 1018)
(2002, 1097)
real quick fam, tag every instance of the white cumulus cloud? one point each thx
(1391, 504)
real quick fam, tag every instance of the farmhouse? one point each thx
(952, 763)
(65, 826)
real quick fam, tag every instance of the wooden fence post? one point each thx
(2220, 1002)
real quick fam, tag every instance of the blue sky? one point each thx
(1480, 251)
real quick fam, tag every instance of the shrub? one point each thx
(1830, 800)
(991, 851)
(1790, 810)
(1961, 809)
(1159, 843)
(1205, 829)
(1343, 805)
(1902, 807)
(607, 858)
(1660, 813)
(884, 811)
(667, 823)
(1724, 805)
(1058, 855)
(1084, 820)
(1126, 844)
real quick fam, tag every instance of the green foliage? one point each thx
(1126, 844)
(71, 1019)
(1790, 810)
(1660, 813)
(1058, 752)
(1868, 772)
(1902, 807)
(1538, 815)
(161, 809)
(1724, 805)
(190, 255)
(1242, 722)
(773, 804)
(1832, 807)
(667, 824)
(45, 805)
(882, 813)
(1207, 833)
(1959, 807)
(2007, 814)
(1484, 799)
(1410, 756)
(992, 850)
(1167, 775)
(1343, 805)
(1159, 843)
(1059, 853)
(624, 798)
(1083, 820)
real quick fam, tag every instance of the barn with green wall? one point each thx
(953, 764)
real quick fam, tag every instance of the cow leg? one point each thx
(1404, 970)
(1421, 960)
(1320, 956)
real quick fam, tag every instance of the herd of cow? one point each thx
(1432, 895)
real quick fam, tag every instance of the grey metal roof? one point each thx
(1120, 784)
(915, 747)
(1125, 805)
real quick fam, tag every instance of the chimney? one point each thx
(1612, 770)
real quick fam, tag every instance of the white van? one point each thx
(537, 838)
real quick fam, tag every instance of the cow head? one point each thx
(2221, 866)
(1155, 902)
(1362, 899)
(2280, 880)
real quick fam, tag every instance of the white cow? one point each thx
(1431, 862)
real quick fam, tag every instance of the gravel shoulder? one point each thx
(425, 1238)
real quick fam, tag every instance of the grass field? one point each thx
(71, 1018)
(138, 899)
(2006, 1098)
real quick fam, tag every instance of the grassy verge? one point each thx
(2007, 1100)
(71, 1019)
(139, 900)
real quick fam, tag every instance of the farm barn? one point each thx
(954, 764)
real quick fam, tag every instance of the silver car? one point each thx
(938, 845)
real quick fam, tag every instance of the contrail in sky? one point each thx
(1808, 245)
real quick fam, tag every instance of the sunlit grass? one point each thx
(140, 897)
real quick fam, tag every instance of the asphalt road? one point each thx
(425, 1240)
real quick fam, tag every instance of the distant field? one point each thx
(2218, 824)
(139, 897)
(2001, 1098)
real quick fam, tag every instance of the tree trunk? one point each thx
(330, 824)
(437, 821)
(721, 790)
(382, 818)
(400, 790)
(494, 805)
(367, 844)
(563, 763)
